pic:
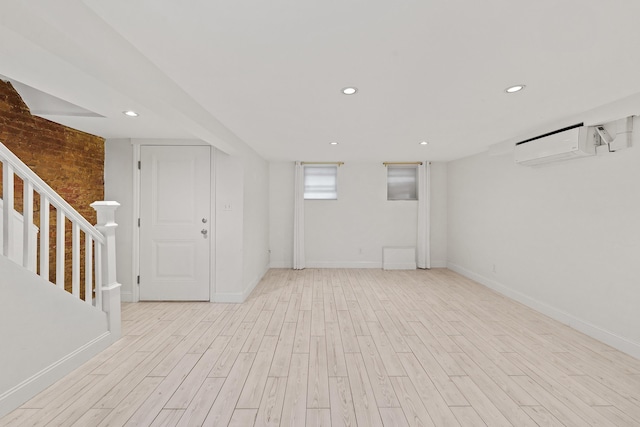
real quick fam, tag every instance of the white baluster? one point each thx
(60, 249)
(98, 270)
(88, 268)
(44, 237)
(75, 260)
(27, 226)
(7, 210)
(110, 288)
(98, 264)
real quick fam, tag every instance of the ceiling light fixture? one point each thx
(333, 143)
(130, 113)
(424, 143)
(350, 90)
(514, 89)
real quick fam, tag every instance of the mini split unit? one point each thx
(563, 144)
(573, 142)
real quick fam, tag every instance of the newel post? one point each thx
(110, 287)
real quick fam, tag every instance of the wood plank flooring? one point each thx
(346, 348)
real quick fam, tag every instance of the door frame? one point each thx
(135, 262)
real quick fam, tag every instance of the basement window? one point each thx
(321, 182)
(402, 182)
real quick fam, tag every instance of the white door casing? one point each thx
(175, 223)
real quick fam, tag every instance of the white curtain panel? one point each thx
(298, 218)
(423, 252)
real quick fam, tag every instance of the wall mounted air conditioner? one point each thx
(568, 143)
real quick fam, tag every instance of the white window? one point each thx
(321, 182)
(402, 182)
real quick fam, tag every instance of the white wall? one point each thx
(439, 216)
(281, 175)
(45, 333)
(351, 231)
(229, 217)
(564, 239)
(118, 186)
(256, 221)
(242, 224)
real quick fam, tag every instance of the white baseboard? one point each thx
(17, 395)
(240, 297)
(126, 296)
(254, 282)
(594, 331)
(288, 265)
(330, 264)
(344, 264)
(400, 266)
(281, 264)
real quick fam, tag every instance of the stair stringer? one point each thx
(45, 333)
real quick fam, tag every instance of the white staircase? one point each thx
(45, 331)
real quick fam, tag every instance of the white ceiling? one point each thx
(269, 73)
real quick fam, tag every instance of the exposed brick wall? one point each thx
(70, 161)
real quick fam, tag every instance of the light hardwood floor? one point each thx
(346, 348)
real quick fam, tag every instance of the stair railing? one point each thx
(101, 237)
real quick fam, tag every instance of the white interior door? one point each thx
(175, 223)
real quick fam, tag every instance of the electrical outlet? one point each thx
(226, 206)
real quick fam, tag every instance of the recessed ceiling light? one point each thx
(130, 113)
(514, 89)
(349, 90)
(424, 143)
(333, 143)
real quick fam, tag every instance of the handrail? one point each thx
(107, 289)
(23, 171)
